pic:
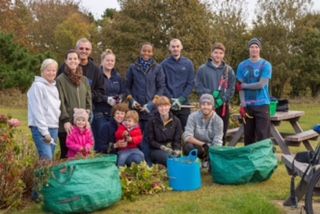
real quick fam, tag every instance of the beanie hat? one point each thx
(207, 98)
(254, 41)
(80, 113)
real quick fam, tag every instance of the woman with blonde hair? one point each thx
(114, 87)
(44, 110)
(165, 132)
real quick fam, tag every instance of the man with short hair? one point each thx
(253, 86)
(217, 78)
(204, 128)
(179, 79)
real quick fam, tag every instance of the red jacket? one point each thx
(79, 142)
(135, 134)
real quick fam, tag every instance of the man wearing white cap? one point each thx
(253, 75)
(204, 128)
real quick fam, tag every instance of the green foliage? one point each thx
(140, 179)
(17, 65)
(14, 159)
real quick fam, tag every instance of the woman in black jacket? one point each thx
(164, 132)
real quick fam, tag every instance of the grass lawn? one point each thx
(212, 198)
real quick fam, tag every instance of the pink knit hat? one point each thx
(80, 113)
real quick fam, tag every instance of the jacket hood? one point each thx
(43, 81)
(210, 64)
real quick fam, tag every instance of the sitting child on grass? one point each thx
(80, 141)
(128, 137)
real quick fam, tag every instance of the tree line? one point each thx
(31, 30)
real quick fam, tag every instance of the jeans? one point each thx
(99, 121)
(145, 146)
(126, 157)
(45, 150)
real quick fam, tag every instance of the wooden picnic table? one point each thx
(293, 118)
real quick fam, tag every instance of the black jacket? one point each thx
(160, 134)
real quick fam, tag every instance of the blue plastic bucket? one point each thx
(184, 173)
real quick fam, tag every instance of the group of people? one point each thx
(146, 115)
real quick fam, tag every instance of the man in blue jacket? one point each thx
(179, 79)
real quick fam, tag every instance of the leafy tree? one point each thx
(275, 24)
(17, 65)
(307, 55)
(158, 22)
(67, 33)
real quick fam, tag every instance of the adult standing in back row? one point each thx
(179, 77)
(253, 86)
(217, 78)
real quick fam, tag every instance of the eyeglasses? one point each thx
(82, 48)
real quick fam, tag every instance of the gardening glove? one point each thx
(135, 105)
(177, 103)
(147, 107)
(166, 149)
(111, 101)
(176, 153)
(205, 149)
(47, 138)
(244, 114)
(239, 86)
(118, 99)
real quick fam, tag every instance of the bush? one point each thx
(140, 179)
(14, 159)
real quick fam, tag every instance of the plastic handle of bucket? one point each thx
(193, 154)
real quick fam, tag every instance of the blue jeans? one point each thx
(126, 157)
(45, 150)
(145, 146)
(99, 121)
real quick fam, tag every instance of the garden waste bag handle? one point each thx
(64, 175)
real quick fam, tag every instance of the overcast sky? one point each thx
(97, 7)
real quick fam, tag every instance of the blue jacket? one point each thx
(208, 79)
(179, 76)
(144, 86)
(115, 86)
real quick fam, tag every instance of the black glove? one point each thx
(205, 149)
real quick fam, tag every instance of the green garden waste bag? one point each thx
(83, 185)
(238, 165)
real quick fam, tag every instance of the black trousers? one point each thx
(188, 147)
(225, 120)
(63, 147)
(183, 115)
(258, 127)
(159, 157)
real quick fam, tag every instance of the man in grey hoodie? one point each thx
(217, 78)
(204, 128)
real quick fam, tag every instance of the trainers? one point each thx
(205, 164)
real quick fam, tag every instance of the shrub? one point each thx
(15, 157)
(140, 179)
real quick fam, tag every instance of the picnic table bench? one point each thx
(300, 136)
(300, 168)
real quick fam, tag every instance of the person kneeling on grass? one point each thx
(204, 128)
(80, 140)
(165, 132)
(128, 137)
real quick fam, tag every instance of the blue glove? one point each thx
(148, 107)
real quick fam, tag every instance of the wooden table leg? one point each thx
(236, 136)
(297, 128)
(279, 140)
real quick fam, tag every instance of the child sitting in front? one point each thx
(128, 138)
(80, 140)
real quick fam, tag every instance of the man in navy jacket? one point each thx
(179, 78)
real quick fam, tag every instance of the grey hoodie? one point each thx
(43, 105)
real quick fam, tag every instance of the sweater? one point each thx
(71, 97)
(43, 105)
(79, 142)
(208, 79)
(209, 132)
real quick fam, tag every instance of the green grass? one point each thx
(211, 198)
